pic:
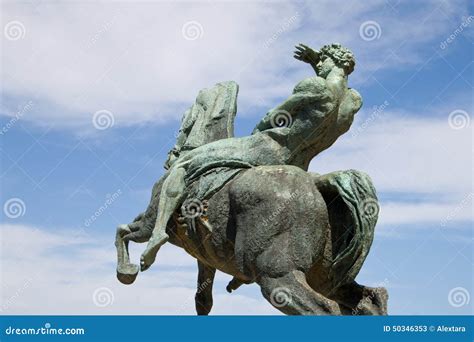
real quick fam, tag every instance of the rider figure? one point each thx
(320, 109)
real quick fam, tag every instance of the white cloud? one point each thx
(412, 213)
(421, 166)
(44, 272)
(131, 58)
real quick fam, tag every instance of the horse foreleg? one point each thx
(203, 296)
(126, 272)
(292, 295)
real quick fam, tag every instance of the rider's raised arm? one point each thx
(336, 81)
(308, 55)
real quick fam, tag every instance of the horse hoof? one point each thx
(143, 265)
(127, 273)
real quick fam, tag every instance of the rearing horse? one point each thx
(302, 237)
(304, 251)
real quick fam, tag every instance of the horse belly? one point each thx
(280, 221)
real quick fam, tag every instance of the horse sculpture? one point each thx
(302, 237)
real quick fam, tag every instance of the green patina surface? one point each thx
(258, 214)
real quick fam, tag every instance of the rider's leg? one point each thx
(170, 197)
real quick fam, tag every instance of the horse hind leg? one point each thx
(292, 295)
(356, 299)
(203, 297)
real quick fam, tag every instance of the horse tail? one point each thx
(353, 212)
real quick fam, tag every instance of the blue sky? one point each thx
(143, 64)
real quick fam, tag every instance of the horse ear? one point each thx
(210, 118)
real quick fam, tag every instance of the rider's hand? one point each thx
(306, 54)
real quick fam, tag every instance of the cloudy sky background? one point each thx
(93, 93)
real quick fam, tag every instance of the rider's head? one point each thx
(335, 55)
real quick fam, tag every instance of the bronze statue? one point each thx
(248, 207)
